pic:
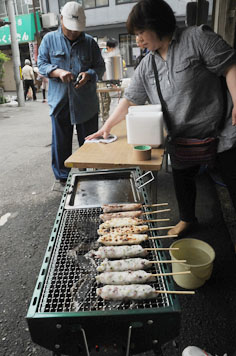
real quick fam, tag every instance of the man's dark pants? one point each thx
(62, 134)
(29, 84)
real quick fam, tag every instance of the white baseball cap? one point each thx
(73, 16)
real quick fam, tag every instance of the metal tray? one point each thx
(93, 189)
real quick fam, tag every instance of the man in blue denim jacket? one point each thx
(64, 55)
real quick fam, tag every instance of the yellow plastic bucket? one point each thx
(199, 257)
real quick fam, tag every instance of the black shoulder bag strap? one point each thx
(163, 103)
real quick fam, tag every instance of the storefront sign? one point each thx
(33, 51)
(25, 28)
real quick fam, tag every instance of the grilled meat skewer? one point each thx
(133, 292)
(130, 264)
(120, 251)
(110, 208)
(119, 222)
(125, 251)
(113, 239)
(118, 240)
(124, 230)
(126, 277)
(131, 214)
(132, 277)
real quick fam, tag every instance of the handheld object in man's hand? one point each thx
(78, 79)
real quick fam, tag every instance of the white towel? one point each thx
(109, 139)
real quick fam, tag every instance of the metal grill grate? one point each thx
(79, 230)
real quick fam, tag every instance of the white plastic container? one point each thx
(144, 108)
(145, 128)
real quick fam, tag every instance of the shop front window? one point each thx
(128, 49)
(24, 7)
(3, 11)
(118, 2)
(90, 4)
(87, 4)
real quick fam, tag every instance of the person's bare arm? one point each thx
(117, 116)
(64, 75)
(231, 83)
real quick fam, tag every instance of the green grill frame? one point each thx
(67, 332)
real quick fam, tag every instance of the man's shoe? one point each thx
(63, 181)
(180, 228)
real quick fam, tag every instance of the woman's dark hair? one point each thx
(154, 15)
(112, 43)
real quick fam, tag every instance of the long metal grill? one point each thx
(77, 235)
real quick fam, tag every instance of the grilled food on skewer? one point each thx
(130, 264)
(129, 214)
(127, 277)
(123, 251)
(120, 251)
(130, 292)
(133, 292)
(136, 229)
(132, 277)
(130, 239)
(119, 222)
(109, 208)
(118, 240)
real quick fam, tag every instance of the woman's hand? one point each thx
(103, 132)
(118, 115)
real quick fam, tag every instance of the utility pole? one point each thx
(15, 53)
(36, 25)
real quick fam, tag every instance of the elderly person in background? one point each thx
(28, 78)
(143, 53)
(190, 62)
(64, 56)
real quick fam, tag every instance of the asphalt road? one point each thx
(28, 208)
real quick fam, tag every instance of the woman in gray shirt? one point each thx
(190, 62)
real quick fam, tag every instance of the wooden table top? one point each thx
(118, 154)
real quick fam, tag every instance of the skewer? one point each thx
(162, 237)
(170, 273)
(151, 205)
(160, 228)
(161, 248)
(156, 220)
(169, 261)
(155, 211)
(133, 292)
(174, 292)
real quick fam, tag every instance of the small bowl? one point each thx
(142, 152)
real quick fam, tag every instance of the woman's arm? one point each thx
(117, 116)
(230, 76)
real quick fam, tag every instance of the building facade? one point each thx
(104, 19)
